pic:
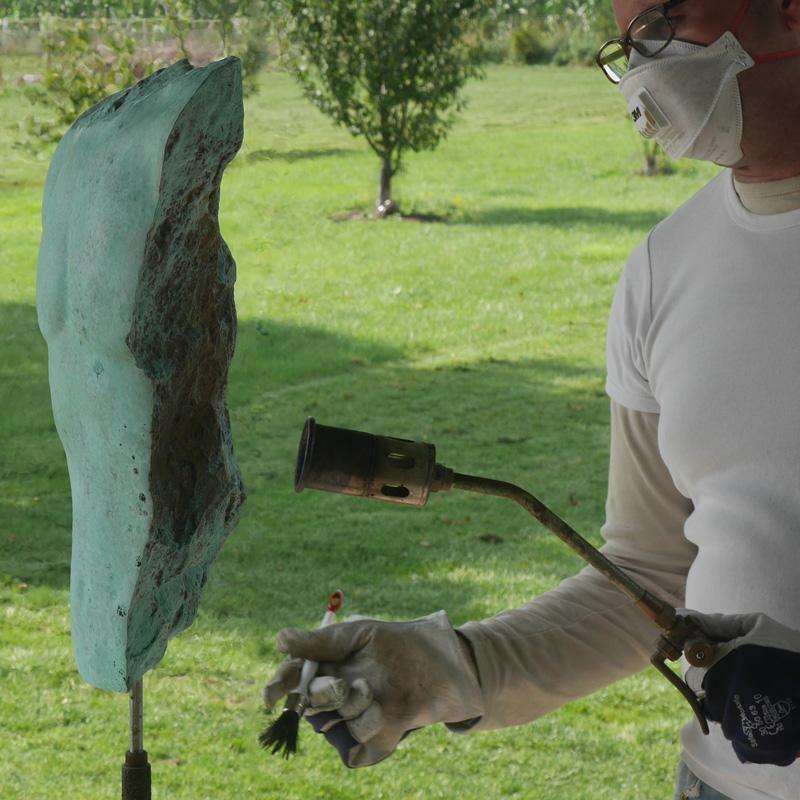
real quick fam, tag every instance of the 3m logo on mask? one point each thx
(646, 115)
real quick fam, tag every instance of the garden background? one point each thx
(483, 334)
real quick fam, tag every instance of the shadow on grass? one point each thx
(271, 355)
(565, 217)
(541, 423)
(35, 509)
(291, 156)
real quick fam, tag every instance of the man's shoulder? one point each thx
(696, 217)
(679, 242)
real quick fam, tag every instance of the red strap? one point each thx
(776, 56)
(740, 16)
(779, 56)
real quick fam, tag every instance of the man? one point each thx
(704, 481)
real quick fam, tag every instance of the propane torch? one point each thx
(406, 472)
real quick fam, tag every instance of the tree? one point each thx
(388, 70)
(85, 60)
(656, 161)
(244, 28)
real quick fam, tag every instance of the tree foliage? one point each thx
(390, 71)
(84, 62)
(87, 59)
(198, 9)
(590, 14)
(244, 28)
(30, 9)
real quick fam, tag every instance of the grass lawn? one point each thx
(484, 336)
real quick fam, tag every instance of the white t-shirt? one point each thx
(705, 331)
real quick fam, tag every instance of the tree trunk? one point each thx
(386, 205)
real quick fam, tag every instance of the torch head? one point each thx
(365, 465)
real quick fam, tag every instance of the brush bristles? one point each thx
(282, 734)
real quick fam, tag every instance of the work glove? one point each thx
(752, 686)
(378, 681)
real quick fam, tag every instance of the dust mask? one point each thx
(687, 98)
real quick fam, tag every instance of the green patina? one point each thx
(135, 300)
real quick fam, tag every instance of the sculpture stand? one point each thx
(136, 769)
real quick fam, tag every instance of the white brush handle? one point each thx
(309, 669)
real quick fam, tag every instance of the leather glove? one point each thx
(752, 687)
(378, 681)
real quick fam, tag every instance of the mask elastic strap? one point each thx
(776, 56)
(779, 56)
(740, 16)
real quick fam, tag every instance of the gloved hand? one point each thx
(752, 687)
(378, 681)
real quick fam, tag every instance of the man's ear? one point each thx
(790, 11)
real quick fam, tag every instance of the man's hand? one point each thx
(752, 687)
(379, 681)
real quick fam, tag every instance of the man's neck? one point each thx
(769, 197)
(765, 173)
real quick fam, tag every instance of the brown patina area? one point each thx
(182, 336)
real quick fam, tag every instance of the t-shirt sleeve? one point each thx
(627, 382)
(585, 633)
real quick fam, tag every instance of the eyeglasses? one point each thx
(648, 33)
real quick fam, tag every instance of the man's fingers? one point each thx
(368, 724)
(374, 750)
(694, 678)
(286, 677)
(722, 627)
(360, 742)
(360, 618)
(327, 693)
(357, 700)
(323, 721)
(331, 725)
(333, 643)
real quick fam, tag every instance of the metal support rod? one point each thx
(136, 777)
(137, 717)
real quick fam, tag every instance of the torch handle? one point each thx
(660, 612)
(680, 635)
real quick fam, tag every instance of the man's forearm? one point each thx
(585, 633)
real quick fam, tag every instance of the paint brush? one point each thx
(281, 735)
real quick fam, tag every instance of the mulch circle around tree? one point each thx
(357, 214)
